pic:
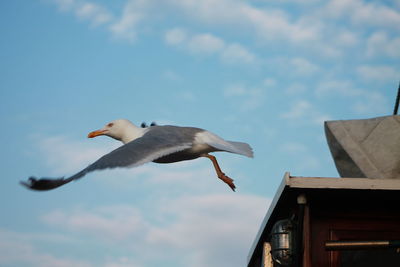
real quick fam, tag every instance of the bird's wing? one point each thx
(157, 142)
(147, 148)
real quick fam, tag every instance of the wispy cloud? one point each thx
(362, 101)
(126, 26)
(205, 43)
(204, 230)
(18, 250)
(171, 75)
(85, 10)
(208, 44)
(266, 24)
(301, 157)
(303, 67)
(66, 156)
(228, 217)
(371, 102)
(380, 73)
(304, 111)
(337, 88)
(317, 30)
(361, 12)
(249, 98)
(94, 13)
(381, 44)
(115, 224)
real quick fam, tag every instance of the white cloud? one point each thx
(175, 36)
(378, 73)
(346, 38)
(315, 31)
(126, 26)
(303, 111)
(18, 250)
(337, 88)
(295, 67)
(295, 88)
(362, 101)
(269, 82)
(303, 67)
(207, 44)
(93, 12)
(196, 230)
(21, 249)
(114, 223)
(236, 53)
(63, 155)
(248, 98)
(376, 14)
(172, 76)
(362, 13)
(266, 24)
(298, 110)
(65, 5)
(207, 228)
(380, 44)
(371, 103)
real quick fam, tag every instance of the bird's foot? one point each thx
(227, 180)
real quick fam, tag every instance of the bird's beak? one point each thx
(96, 133)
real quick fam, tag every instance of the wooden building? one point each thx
(332, 222)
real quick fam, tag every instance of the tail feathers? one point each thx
(242, 148)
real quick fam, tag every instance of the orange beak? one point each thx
(96, 133)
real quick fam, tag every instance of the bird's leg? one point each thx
(220, 174)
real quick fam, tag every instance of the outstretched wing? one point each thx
(157, 142)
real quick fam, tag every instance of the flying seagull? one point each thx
(160, 144)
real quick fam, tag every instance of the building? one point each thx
(330, 222)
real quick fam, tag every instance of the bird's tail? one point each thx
(242, 148)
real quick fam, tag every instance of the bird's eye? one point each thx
(110, 124)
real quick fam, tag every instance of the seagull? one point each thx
(158, 143)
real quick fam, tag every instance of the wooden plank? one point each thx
(343, 183)
(267, 257)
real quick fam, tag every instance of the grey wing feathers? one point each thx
(231, 146)
(244, 148)
(157, 142)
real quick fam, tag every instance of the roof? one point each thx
(290, 183)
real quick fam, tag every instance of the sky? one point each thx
(264, 72)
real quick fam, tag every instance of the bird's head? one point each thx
(121, 130)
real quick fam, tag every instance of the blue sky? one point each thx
(263, 72)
